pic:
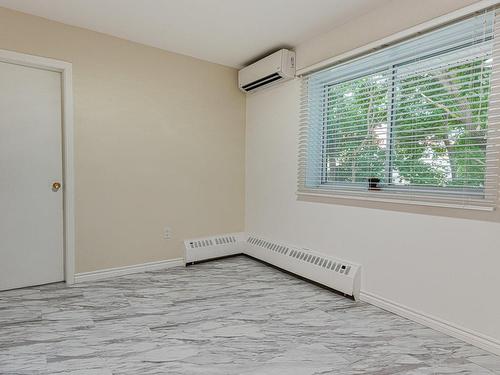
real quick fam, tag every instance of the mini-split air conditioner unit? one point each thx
(275, 68)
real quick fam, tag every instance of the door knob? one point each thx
(56, 186)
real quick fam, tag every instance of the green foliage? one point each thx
(410, 127)
(355, 127)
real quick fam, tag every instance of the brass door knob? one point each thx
(56, 186)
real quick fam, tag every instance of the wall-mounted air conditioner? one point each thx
(275, 68)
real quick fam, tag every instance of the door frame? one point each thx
(66, 70)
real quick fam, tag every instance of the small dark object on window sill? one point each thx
(373, 183)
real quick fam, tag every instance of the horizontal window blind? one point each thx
(417, 122)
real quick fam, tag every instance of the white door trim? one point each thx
(65, 68)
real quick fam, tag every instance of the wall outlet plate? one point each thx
(167, 233)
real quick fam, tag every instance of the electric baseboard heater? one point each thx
(334, 273)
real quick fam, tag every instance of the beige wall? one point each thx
(159, 141)
(384, 21)
(443, 263)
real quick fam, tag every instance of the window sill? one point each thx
(331, 196)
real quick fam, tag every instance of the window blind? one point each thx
(416, 122)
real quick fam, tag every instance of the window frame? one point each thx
(389, 186)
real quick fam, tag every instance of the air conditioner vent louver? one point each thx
(261, 82)
(277, 67)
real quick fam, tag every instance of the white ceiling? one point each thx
(228, 32)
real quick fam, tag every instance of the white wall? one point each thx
(435, 261)
(379, 23)
(445, 267)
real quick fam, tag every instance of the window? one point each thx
(414, 122)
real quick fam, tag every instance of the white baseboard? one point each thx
(474, 338)
(126, 270)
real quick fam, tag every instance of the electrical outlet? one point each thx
(167, 233)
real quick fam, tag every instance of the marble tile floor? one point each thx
(231, 316)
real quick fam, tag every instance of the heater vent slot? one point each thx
(200, 249)
(302, 255)
(223, 240)
(200, 243)
(280, 249)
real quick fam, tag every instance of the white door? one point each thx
(31, 208)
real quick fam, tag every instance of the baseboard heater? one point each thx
(334, 273)
(207, 248)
